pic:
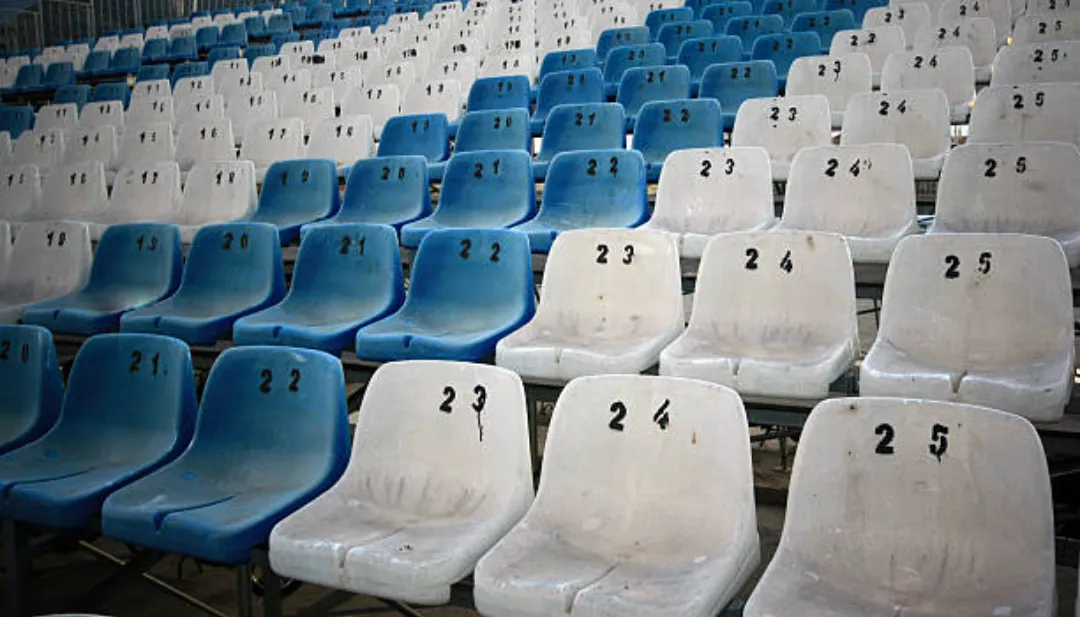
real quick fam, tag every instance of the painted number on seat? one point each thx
(938, 446)
(5, 351)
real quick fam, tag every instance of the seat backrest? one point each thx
(278, 139)
(641, 85)
(78, 94)
(602, 185)
(219, 190)
(189, 70)
(205, 140)
(271, 67)
(644, 426)
(48, 259)
(196, 109)
(344, 140)
(199, 87)
(838, 78)
(151, 88)
(29, 75)
(567, 59)
(721, 14)
(381, 103)
(1045, 29)
(240, 259)
(919, 119)
(402, 74)
(74, 191)
(569, 87)
(16, 119)
(591, 126)
(700, 53)
(234, 88)
(61, 116)
(949, 69)
(307, 186)
(312, 105)
(665, 126)
(387, 188)
(92, 143)
(877, 43)
(863, 191)
(425, 135)
(59, 74)
(626, 57)
(499, 93)
(1036, 63)
(1033, 112)
(783, 49)
(619, 37)
(144, 259)
(113, 91)
(147, 142)
(506, 129)
(656, 20)
(154, 49)
(999, 11)
(977, 34)
(340, 79)
(749, 27)
(732, 83)
(20, 192)
(857, 7)
(150, 109)
(915, 464)
(495, 182)
(41, 147)
(97, 61)
(146, 190)
(715, 190)
(788, 9)
(672, 35)
(252, 109)
(433, 97)
(32, 391)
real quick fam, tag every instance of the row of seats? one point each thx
(401, 519)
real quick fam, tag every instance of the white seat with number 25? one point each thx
(936, 485)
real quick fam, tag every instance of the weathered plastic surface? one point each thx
(33, 389)
(878, 43)
(297, 192)
(1032, 112)
(838, 78)
(918, 119)
(216, 192)
(783, 126)
(148, 191)
(949, 69)
(1037, 63)
(269, 141)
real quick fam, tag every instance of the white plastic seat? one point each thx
(369, 59)
(949, 69)
(417, 55)
(210, 140)
(783, 126)
(249, 110)
(289, 85)
(335, 45)
(196, 110)
(1045, 29)
(752, 328)
(708, 191)
(272, 68)
(1034, 112)
(401, 74)
(922, 471)
(611, 531)
(344, 140)
(20, 192)
(297, 48)
(610, 302)
(312, 106)
(508, 63)
(48, 260)
(381, 102)
(229, 70)
(998, 11)
(5, 147)
(1049, 8)
(461, 69)
(92, 144)
(43, 148)
(976, 318)
(150, 110)
(75, 191)
(1030, 188)
(340, 80)
(316, 60)
(865, 193)
(837, 77)
(269, 141)
(977, 34)
(435, 97)
(151, 88)
(877, 43)
(102, 113)
(148, 191)
(239, 88)
(464, 478)
(910, 16)
(189, 88)
(147, 142)
(1037, 63)
(63, 116)
(216, 192)
(918, 119)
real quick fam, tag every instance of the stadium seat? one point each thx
(321, 313)
(496, 129)
(113, 91)
(350, 538)
(865, 193)
(145, 110)
(958, 325)
(789, 9)
(920, 483)
(251, 110)
(949, 69)
(339, 80)
(60, 116)
(295, 192)
(151, 88)
(877, 43)
(858, 8)
(783, 49)
(468, 289)
(1032, 112)
(665, 126)
(96, 63)
(134, 265)
(344, 140)
(269, 141)
(700, 53)
(74, 192)
(16, 119)
(78, 94)
(734, 82)
(595, 316)
(129, 409)
(982, 184)
(619, 37)
(92, 144)
(216, 506)
(750, 27)
(557, 560)
(144, 191)
(41, 147)
(641, 85)
(499, 93)
(146, 142)
(976, 34)
(570, 87)
(28, 80)
(750, 331)
(198, 109)
(687, 202)
(1045, 29)
(381, 103)
(999, 11)
(49, 259)
(589, 188)
(838, 78)
(825, 23)
(435, 97)
(31, 403)
(232, 270)
(386, 191)
(918, 119)
(210, 140)
(425, 135)
(489, 189)
(1036, 63)
(20, 195)
(721, 14)
(620, 59)
(673, 35)
(216, 192)
(568, 59)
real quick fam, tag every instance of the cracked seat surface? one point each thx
(272, 435)
(426, 494)
(620, 538)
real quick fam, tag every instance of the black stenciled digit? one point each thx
(591, 167)
(267, 377)
(830, 167)
(346, 241)
(5, 349)
(953, 269)
(466, 246)
(136, 360)
(939, 442)
(706, 166)
(616, 423)
(984, 262)
(495, 248)
(450, 395)
(887, 434)
(785, 262)
(991, 168)
(661, 417)
(25, 354)
(613, 165)
(729, 167)
(601, 253)
(294, 380)
(154, 361)
(751, 258)
(228, 241)
(628, 254)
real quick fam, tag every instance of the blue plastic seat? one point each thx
(96, 63)
(825, 23)
(497, 129)
(78, 94)
(623, 58)
(390, 190)
(858, 8)
(232, 270)
(665, 126)
(113, 91)
(469, 288)
(700, 54)
(183, 48)
(126, 61)
(784, 49)
(721, 14)
(566, 88)
(206, 37)
(589, 188)
(15, 119)
(567, 59)
(279, 24)
(659, 18)
(641, 85)
(672, 36)
(619, 37)
(251, 52)
(59, 74)
(788, 9)
(219, 53)
(134, 265)
(490, 189)
(233, 35)
(155, 50)
(426, 135)
(750, 27)
(595, 126)
(189, 69)
(316, 16)
(153, 72)
(272, 435)
(346, 276)
(295, 192)
(256, 27)
(283, 37)
(32, 388)
(510, 92)
(699, 6)
(734, 82)
(128, 410)
(28, 79)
